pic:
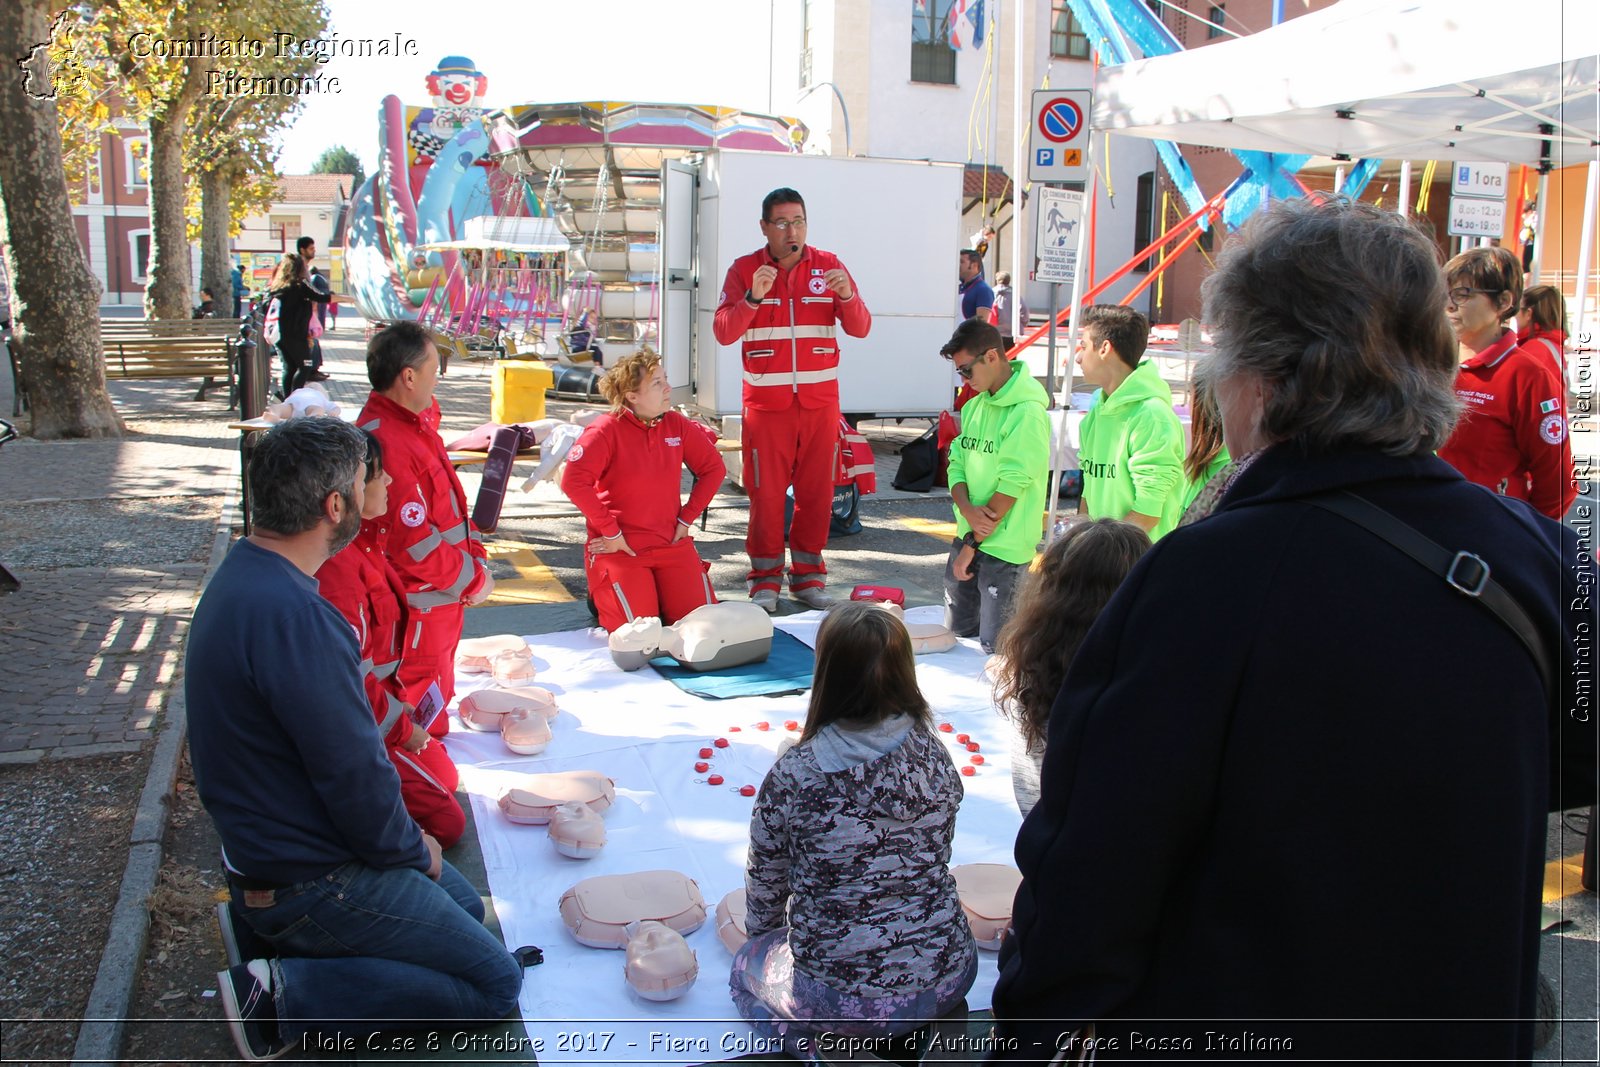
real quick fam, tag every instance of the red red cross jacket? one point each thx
(425, 533)
(788, 343)
(360, 583)
(624, 475)
(856, 461)
(1514, 427)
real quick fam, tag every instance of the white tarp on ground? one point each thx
(1385, 79)
(645, 732)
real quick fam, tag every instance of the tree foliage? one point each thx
(196, 123)
(340, 160)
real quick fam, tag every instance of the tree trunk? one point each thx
(55, 300)
(216, 212)
(166, 295)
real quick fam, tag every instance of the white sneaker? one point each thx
(765, 599)
(813, 597)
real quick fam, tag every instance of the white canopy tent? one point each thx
(1385, 79)
(1473, 80)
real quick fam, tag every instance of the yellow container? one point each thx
(516, 391)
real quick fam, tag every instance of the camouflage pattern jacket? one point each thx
(860, 858)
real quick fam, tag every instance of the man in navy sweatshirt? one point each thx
(370, 928)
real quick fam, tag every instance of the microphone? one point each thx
(793, 248)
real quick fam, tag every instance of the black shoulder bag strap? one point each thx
(1467, 573)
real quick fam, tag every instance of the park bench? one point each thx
(136, 356)
(172, 348)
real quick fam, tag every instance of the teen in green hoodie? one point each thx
(1131, 442)
(998, 476)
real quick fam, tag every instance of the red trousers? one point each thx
(794, 447)
(429, 655)
(428, 781)
(667, 582)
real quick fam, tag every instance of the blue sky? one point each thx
(674, 51)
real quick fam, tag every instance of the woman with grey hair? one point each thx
(1227, 831)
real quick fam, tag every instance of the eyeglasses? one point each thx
(786, 224)
(1462, 294)
(965, 369)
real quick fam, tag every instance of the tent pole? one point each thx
(1338, 179)
(1538, 230)
(1585, 250)
(1022, 109)
(1404, 207)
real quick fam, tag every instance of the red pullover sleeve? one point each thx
(853, 313)
(586, 465)
(705, 462)
(434, 553)
(1542, 437)
(734, 313)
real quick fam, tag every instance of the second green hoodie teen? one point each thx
(1130, 447)
(1004, 447)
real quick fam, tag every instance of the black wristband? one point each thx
(970, 539)
(750, 298)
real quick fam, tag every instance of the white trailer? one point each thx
(896, 224)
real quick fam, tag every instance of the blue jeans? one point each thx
(386, 949)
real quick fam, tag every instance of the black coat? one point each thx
(1292, 775)
(294, 318)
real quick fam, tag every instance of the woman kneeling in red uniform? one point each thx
(359, 581)
(624, 474)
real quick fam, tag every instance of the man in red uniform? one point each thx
(1512, 436)
(425, 532)
(781, 304)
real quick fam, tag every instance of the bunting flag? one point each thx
(961, 29)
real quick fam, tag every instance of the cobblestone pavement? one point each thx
(110, 540)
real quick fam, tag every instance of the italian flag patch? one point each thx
(1548, 406)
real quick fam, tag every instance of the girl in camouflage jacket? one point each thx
(854, 923)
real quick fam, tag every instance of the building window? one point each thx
(92, 178)
(139, 254)
(285, 229)
(136, 161)
(1216, 16)
(932, 59)
(1144, 218)
(1067, 39)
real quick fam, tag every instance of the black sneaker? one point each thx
(252, 1016)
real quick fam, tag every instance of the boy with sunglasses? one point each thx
(998, 477)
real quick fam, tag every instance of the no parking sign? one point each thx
(1058, 138)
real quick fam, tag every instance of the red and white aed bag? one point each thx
(886, 594)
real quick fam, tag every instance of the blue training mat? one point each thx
(788, 669)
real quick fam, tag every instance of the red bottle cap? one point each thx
(721, 742)
(735, 729)
(791, 725)
(945, 727)
(747, 790)
(702, 767)
(972, 746)
(963, 738)
(705, 753)
(716, 779)
(978, 760)
(969, 771)
(763, 726)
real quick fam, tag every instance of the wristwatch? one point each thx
(969, 539)
(751, 299)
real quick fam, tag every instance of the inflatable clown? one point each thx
(457, 87)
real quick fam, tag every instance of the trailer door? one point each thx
(678, 196)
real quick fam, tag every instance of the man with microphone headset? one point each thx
(781, 303)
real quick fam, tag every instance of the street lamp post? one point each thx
(813, 87)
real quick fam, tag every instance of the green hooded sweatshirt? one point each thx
(1004, 447)
(1131, 451)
